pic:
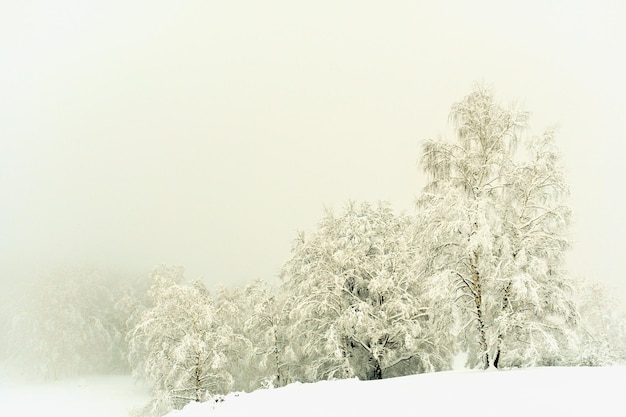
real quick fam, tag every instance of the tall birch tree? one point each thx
(493, 228)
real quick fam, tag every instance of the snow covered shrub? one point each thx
(357, 306)
(494, 227)
(67, 324)
(179, 344)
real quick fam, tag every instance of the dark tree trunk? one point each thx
(477, 290)
(277, 354)
(374, 371)
(505, 305)
(198, 381)
(496, 361)
(365, 366)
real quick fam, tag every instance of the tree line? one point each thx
(479, 268)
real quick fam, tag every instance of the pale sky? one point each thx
(206, 133)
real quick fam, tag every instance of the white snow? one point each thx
(523, 392)
(93, 396)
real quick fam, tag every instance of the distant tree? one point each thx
(66, 324)
(179, 345)
(495, 227)
(356, 305)
(7, 305)
(602, 329)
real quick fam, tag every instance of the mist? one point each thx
(205, 134)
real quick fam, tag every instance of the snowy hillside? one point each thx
(94, 396)
(523, 392)
(537, 392)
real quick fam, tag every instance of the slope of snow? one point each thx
(542, 391)
(94, 396)
(523, 392)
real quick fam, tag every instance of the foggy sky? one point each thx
(207, 133)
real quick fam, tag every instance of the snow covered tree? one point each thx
(266, 330)
(179, 345)
(7, 304)
(494, 230)
(356, 305)
(254, 312)
(602, 327)
(66, 324)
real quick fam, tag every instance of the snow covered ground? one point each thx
(95, 396)
(524, 392)
(542, 392)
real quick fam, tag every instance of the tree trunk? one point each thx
(197, 380)
(505, 303)
(496, 361)
(364, 364)
(482, 337)
(279, 379)
(374, 369)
